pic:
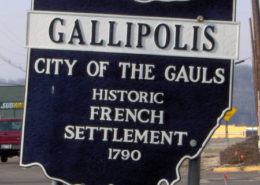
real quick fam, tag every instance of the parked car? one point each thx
(10, 138)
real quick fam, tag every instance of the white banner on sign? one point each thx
(132, 35)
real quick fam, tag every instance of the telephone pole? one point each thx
(255, 35)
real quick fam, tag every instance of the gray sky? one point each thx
(12, 37)
(13, 27)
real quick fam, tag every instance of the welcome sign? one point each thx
(121, 92)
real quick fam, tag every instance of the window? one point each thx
(10, 126)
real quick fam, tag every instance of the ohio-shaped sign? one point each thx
(123, 91)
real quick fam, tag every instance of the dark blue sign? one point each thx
(120, 115)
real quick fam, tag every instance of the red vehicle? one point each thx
(10, 138)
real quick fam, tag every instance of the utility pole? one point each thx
(256, 58)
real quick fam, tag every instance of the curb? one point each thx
(237, 169)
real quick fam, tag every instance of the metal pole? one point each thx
(226, 133)
(226, 129)
(194, 171)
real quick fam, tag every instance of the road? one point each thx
(237, 178)
(12, 174)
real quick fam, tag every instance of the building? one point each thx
(11, 101)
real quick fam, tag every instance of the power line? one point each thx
(11, 64)
(241, 61)
(12, 51)
(10, 34)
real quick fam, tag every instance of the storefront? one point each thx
(11, 101)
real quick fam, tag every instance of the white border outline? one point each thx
(165, 1)
(177, 169)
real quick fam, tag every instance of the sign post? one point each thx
(117, 90)
(194, 171)
(227, 117)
